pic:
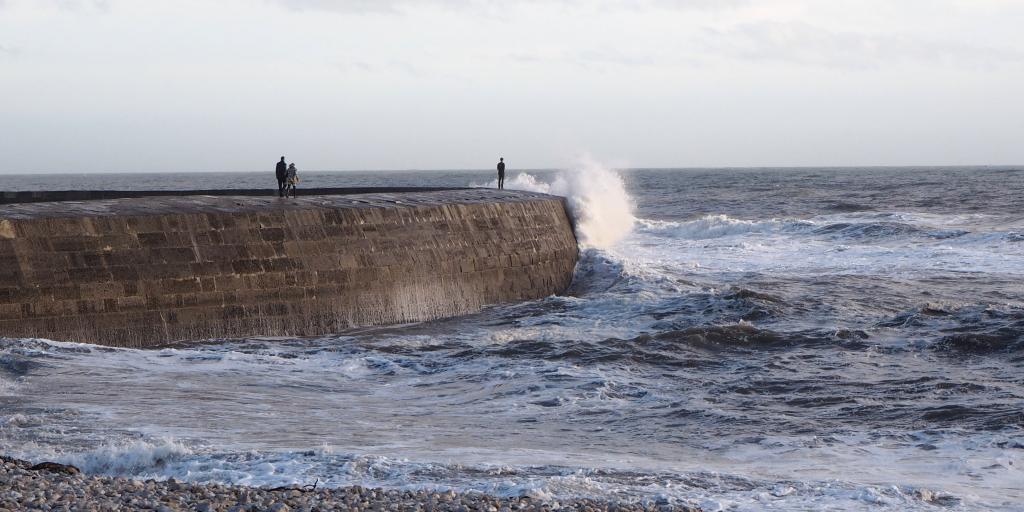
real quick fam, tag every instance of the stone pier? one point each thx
(155, 269)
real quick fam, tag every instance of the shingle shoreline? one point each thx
(48, 486)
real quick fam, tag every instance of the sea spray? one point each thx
(600, 206)
(598, 201)
(129, 458)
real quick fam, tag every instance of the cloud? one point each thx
(362, 6)
(684, 4)
(804, 44)
(63, 5)
(81, 5)
(597, 58)
(398, 6)
(384, 66)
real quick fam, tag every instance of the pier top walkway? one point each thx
(133, 203)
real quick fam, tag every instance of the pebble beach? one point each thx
(48, 486)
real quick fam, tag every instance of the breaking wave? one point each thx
(601, 208)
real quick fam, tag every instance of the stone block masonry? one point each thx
(148, 271)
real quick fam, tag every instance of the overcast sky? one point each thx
(126, 85)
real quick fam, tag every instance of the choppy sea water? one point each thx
(739, 339)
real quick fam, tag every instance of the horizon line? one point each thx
(535, 169)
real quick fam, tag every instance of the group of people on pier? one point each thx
(288, 177)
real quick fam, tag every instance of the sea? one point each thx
(733, 339)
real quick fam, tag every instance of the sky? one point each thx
(231, 85)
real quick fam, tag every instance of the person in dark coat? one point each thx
(282, 177)
(501, 173)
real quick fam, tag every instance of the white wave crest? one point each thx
(601, 208)
(131, 459)
(717, 226)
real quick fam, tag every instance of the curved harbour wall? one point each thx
(147, 271)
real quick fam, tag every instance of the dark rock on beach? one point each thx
(54, 467)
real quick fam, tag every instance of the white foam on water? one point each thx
(131, 458)
(7, 387)
(717, 226)
(520, 471)
(18, 420)
(709, 490)
(867, 244)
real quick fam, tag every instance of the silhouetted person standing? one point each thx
(501, 173)
(282, 175)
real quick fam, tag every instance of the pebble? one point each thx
(58, 488)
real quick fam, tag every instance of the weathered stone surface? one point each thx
(146, 271)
